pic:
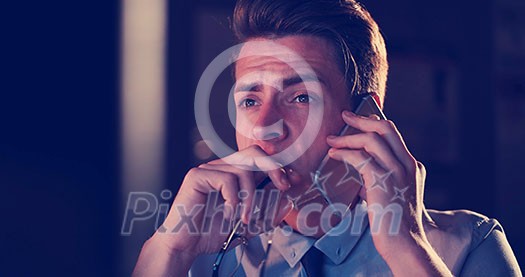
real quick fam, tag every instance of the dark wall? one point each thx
(58, 138)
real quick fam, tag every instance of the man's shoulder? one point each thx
(455, 233)
(464, 222)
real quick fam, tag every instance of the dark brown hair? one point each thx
(344, 23)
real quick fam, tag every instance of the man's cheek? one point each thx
(242, 141)
(243, 135)
(243, 128)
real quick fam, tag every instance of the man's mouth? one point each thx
(269, 148)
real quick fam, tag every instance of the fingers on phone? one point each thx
(374, 145)
(375, 116)
(369, 168)
(390, 134)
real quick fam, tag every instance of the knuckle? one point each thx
(255, 149)
(193, 171)
(412, 166)
(243, 174)
(399, 171)
(229, 178)
(421, 166)
(343, 141)
(360, 124)
(234, 200)
(373, 140)
(389, 125)
(363, 154)
(373, 136)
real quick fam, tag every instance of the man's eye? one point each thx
(246, 103)
(303, 98)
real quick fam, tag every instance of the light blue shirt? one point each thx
(469, 243)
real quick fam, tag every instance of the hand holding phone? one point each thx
(335, 181)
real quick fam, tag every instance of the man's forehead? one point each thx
(268, 70)
(267, 46)
(272, 65)
(287, 49)
(281, 61)
(277, 79)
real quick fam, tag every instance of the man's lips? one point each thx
(270, 149)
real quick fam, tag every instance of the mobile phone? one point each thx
(335, 181)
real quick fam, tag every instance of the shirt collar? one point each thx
(291, 245)
(336, 244)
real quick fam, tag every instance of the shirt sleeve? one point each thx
(490, 253)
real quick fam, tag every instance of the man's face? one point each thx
(272, 102)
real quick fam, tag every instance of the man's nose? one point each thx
(269, 125)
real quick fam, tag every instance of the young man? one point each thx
(302, 63)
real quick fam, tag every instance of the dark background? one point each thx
(456, 92)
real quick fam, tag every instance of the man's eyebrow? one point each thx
(247, 86)
(287, 82)
(301, 79)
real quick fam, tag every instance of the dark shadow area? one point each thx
(58, 138)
